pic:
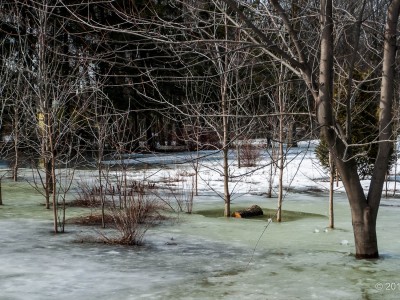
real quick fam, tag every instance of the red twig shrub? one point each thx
(249, 155)
(132, 221)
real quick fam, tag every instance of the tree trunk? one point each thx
(196, 163)
(291, 138)
(331, 184)
(136, 131)
(363, 217)
(272, 171)
(238, 144)
(225, 126)
(47, 182)
(149, 133)
(227, 196)
(225, 152)
(1, 193)
(281, 162)
(281, 139)
(364, 228)
(365, 210)
(16, 141)
(52, 185)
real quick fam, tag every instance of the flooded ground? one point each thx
(196, 257)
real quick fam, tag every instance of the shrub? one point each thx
(133, 220)
(249, 155)
(87, 196)
(365, 120)
(135, 213)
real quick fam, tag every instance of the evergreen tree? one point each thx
(365, 114)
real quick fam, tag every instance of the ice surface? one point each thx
(203, 258)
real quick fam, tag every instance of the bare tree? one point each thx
(54, 75)
(215, 50)
(364, 208)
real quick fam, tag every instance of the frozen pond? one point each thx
(204, 258)
(197, 257)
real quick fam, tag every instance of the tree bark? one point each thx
(281, 140)
(385, 109)
(225, 124)
(331, 183)
(225, 150)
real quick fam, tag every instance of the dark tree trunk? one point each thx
(364, 228)
(149, 134)
(364, 209)
(292, 135)
(136, 131)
